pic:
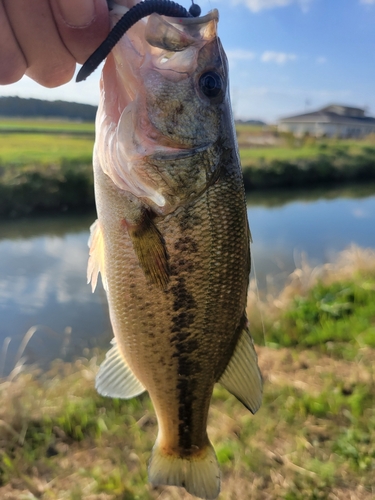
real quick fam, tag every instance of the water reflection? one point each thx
(43, 264)
(278, 198)
(43, 282)
(318, 224)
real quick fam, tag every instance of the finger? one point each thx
(48, 60)
(82, 25)
(12, 62)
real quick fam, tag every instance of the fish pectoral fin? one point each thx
(199, 474)
(96, 259)
(151, 251)
(115, 379)
(242, 376)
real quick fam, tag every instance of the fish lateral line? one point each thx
(135, 14)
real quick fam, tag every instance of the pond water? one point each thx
(318, 222)
(43, 266)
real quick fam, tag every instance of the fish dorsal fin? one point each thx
(96, 259)
(115, 379)
(242, 376)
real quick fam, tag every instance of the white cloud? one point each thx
(368, 2)
(258, 5)
(277, 57)
(272, 102)
(321, 60)
(43, 269)
(240, 55)
(359, 213)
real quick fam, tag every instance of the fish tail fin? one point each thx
(199, 474)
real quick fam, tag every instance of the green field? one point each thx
(281, 153)
(47, 141)
(312, 439)
(23, 149)
(47, 126)
(44, 142)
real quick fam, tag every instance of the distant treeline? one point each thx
(259, 123)
(31, 108)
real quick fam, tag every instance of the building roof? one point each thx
(329, 114)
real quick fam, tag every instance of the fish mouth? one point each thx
(176, 34)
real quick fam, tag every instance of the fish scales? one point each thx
(172, 242)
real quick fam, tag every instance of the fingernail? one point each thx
(77, 13)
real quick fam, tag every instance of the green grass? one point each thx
(21, 149)
(333, 147)
(247, 129)
(280, 153)
(338, 318)
(46, 126)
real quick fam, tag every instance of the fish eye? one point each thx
(211, 84)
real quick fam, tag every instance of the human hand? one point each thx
(44, 39)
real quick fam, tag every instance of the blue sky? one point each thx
(286, 56)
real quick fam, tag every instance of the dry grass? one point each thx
(285, 451)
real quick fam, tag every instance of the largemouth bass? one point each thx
(172, 239)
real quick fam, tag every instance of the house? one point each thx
(332, 121)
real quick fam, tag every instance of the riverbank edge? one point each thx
(68, 185)
(337, 167)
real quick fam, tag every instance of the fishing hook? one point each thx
(135, 14)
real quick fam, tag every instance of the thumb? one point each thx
(82, 25)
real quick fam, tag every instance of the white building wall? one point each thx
(300, 129)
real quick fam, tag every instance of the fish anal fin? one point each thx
(199, 474)
(242, 376)
(96, 259)
(115, 379)
(150, 249)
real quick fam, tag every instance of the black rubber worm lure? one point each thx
(135, 14)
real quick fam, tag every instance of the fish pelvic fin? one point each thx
(96, 259)
(150, 249)
(199, 474)
(242, 376)
(115, 379)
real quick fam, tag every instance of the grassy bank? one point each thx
(312, 439)
(46, 165)
(26, 189)
(325, 162)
